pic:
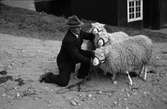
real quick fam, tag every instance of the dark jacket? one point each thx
(71, 52)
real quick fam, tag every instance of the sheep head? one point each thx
(101, 39)
(97, 27)
(99, 56)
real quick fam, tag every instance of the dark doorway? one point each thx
(151, 14)
(0, 6)
(56, 7)
(163, 13)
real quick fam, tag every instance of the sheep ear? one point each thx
(93, 24)
(103, 25)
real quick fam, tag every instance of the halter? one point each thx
(98, 31)
(100, 61)
(102, 41)
(92, 29)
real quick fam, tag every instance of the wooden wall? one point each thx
(163, 13)
(56, 7)
(101, 11)
(151, 14)
(122, 12)
(113, 12)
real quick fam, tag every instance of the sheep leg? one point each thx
(113, 78)
(140, 73)
(145, 73)
(130, 79)
(142, 70)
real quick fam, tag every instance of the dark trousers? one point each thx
(65, 70)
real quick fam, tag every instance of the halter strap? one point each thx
(96, 29)
(102, 40)
(100, 61)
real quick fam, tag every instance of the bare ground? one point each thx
(28, 48)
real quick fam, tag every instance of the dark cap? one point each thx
(73, 21)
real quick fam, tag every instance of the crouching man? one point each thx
(71, 53)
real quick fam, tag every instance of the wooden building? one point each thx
(134, 13)
(114, 12)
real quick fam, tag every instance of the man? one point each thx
(71, 53)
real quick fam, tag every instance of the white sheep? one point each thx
(97, 27)
(103, 37)
(132, 54)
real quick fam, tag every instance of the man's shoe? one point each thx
(87, 77)
(80, 77)
(45, 77)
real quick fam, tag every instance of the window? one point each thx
(134, 10)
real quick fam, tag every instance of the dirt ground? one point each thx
(25, 58)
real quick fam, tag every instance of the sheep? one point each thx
(132, 54)
(97, 27)
(102, 37)
(88, 45)
(146, 43)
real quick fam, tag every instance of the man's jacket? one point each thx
(70, 51)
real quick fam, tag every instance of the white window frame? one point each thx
(135, 17)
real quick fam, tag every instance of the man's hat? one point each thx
(73, 21)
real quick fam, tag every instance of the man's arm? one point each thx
(88, 53)
(87, 36)
(75, 53)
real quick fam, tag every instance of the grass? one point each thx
(22, 22)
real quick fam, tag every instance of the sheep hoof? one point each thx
(144, 79)
(145, 76)
(130, 83)
(114, 82)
